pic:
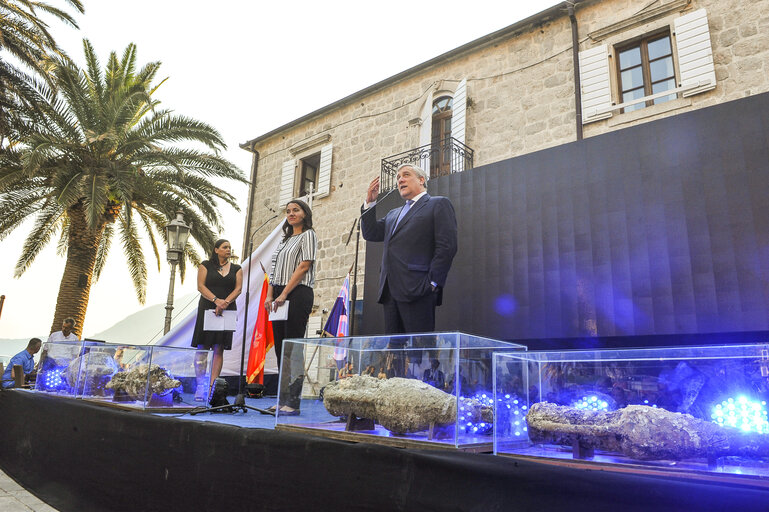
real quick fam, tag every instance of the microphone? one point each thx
(251, 238)
(387, 194)
(266, 204)
(379, 200)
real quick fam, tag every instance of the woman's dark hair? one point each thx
(214, 259)
(306, 222)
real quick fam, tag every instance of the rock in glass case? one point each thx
(689, 409)
(430, 390)
(146, 376)
(128, 376)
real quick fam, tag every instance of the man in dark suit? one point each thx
(420, 241)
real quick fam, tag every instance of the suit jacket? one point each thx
(419, 250)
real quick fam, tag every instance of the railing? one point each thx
(439, 158)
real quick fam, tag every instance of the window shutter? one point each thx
(596, 83)
(313, 326)
(695, 54)
(426, 133)
(287, 182)
(458, 112)
(324, 171)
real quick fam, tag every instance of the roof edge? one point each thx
(553, 12)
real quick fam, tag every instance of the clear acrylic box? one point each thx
(128, 376)
(677, 409)
(146, 376)
(59, 366)
(408, 390)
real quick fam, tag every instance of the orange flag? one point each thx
(262, 340)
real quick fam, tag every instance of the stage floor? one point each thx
(251, 419)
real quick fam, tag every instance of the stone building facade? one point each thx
(511, 92)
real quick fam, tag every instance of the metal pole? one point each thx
(240, 399)
(2, 300)
(575, 58)
(170, 301)
(354, 290)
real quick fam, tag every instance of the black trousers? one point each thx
(291, 364)
(407, 318)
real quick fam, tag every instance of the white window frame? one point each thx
(693, 55)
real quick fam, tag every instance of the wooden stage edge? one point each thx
(754, 481)
(396, 442)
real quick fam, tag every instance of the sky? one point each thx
(245, 67)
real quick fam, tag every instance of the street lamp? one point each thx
(177, 233)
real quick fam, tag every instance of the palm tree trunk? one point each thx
(75, 286)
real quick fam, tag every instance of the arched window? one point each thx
(440, 163)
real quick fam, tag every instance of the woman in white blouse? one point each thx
(292, 277)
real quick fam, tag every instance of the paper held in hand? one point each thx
(226, 322)
(280, 314)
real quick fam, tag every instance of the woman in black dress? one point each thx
(219, 283)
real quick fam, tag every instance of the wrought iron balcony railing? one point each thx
(439, 158)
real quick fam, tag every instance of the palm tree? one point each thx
(25, 37)
(103, 160)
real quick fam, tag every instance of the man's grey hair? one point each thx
(70, 321)
(417, 170)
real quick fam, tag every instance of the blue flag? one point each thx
(337, 325)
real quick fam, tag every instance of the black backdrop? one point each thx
(653, 234)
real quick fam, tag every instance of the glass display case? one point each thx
(406, 390)
(128, 376)
(680, 409)
(59, 366)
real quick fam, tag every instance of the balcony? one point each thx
(439, 158)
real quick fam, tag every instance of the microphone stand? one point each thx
(240, 399)
(354, 289)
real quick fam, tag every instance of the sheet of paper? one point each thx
(226, 322)
(280, 314)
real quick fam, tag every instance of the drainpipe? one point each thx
(251, 188)
(575, 55)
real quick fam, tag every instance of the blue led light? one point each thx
(590, 403)
(54, 379)
(742, 413)
(509, 408)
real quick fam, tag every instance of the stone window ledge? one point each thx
(654, 110)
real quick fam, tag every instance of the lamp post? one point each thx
(177, 233)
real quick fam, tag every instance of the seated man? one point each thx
(25, 358)
(434, 376)
(66, 333)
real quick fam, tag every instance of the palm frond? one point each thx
(46, 225)
(16, 207)
(96, 197)
(63, 245)
(134, 256)
(101, 254)
(148, 227)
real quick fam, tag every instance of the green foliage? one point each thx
(100, 142)
(24, 36)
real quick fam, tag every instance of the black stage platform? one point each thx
(78, 456)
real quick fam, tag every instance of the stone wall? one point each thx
(520, 99)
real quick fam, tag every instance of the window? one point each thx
(309, 169)
(440, 163)
(646, 68)
(308, 175)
